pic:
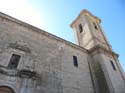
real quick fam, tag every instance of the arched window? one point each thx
(95, 26)
(5, 89)
(80, 28)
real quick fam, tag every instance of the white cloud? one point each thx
(21, 10)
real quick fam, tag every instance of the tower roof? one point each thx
(85, 12)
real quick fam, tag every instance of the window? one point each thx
(113, 65)
(75, 61)
(95, 26)
(14, 61)
(80, 28)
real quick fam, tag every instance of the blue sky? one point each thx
(55, 16)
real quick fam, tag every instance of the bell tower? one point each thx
(108, 74)
(88, 32)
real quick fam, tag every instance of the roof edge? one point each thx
(5, 16)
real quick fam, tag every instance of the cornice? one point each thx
(100, 49)
(85, 12)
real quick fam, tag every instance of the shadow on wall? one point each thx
(102, 83)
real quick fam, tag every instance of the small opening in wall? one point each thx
(14, 60)
(80, 28)
(113, 65)
(75, 61)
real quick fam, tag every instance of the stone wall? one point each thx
(46, 64)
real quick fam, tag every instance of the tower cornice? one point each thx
(100, 49)
(85, 12)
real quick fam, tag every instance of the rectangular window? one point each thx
(75, 61)
(113, 66)
(14, 60)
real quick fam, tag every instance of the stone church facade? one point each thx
(35, 61)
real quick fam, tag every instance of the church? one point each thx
(35, 61)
